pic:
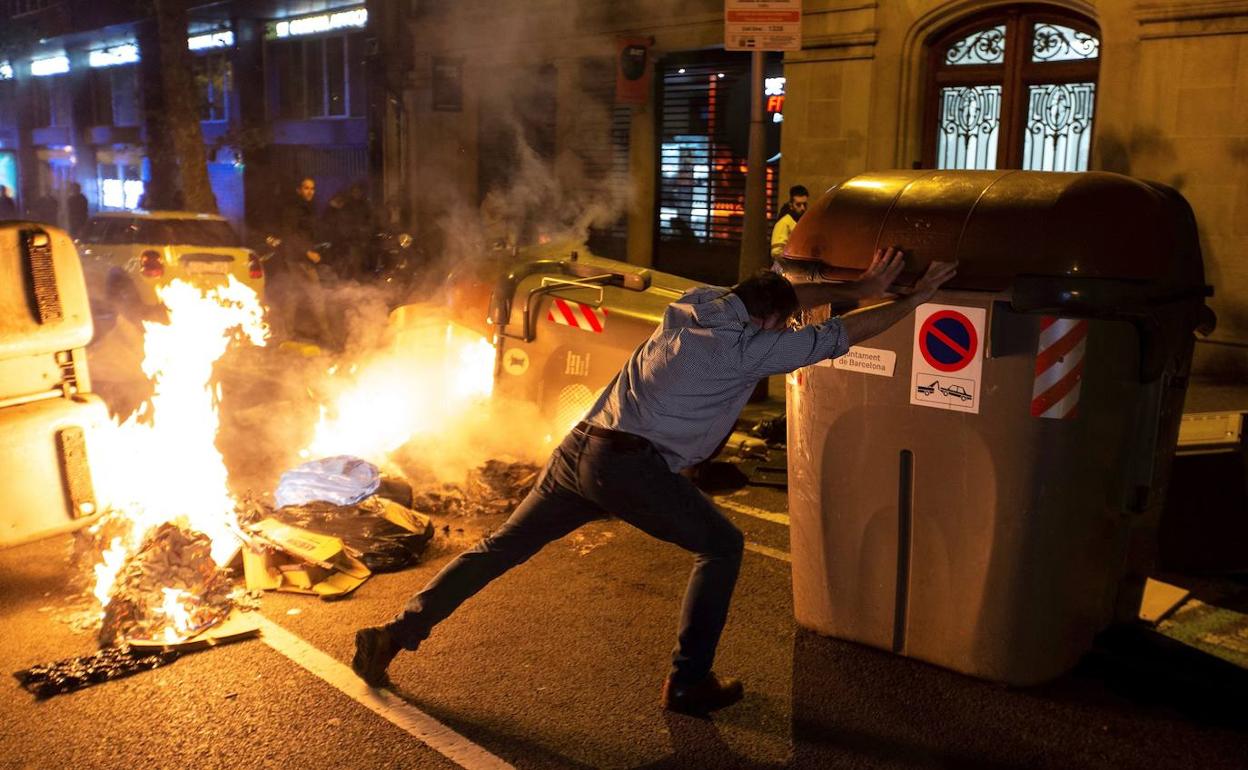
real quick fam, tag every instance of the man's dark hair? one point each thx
(797, 190)
(765, 293)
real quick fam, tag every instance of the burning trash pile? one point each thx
(168, 590)
(176, 556)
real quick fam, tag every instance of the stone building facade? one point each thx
(1170, 104)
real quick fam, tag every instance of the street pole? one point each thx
(753, 230)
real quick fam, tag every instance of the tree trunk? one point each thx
(175, 141)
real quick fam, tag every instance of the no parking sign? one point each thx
(947, 359)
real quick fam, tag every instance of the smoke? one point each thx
(531, 159)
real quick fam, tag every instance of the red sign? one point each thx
(948, 341)
(632, 70)
(764, 17)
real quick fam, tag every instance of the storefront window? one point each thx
(121, 186)
(212, 79)
(318, 77)
(49, 102)
(703, 152)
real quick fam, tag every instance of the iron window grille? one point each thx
(1013, 89)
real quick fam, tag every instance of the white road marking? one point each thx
(749, 510)
(774, 553)
(386, 704)
(758, 513)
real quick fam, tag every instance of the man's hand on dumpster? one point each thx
(936, 275)
(864, 324)
(885, 266)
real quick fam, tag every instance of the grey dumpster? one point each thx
(564, 327)
(980, 486)
(47, 413)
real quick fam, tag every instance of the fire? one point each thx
(106, 571)
(433, 376)
(162, 464)
(179, 616)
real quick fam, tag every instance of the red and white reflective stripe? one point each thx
(1059, 367)
(578, 314)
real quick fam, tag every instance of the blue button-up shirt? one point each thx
(685, 386)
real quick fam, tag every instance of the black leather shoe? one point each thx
(700, 699)
(374, 649)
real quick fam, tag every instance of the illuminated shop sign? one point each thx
(223, 39)
(6, 71)
(111, 57)
(312, 25)
(53, 65)
(773, 90)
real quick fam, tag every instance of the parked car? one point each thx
(127, 254)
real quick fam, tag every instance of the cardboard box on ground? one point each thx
(283, 557)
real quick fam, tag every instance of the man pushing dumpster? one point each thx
(678, 395)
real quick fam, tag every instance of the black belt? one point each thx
(617, 438)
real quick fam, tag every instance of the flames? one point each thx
(162, 464)
(427, 384)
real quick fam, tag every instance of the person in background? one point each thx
(790, 213)
(8, 206)
(76, 209)
(679, 392)
(292, 279)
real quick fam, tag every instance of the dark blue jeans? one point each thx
(587, 478)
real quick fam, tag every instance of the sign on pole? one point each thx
(763, 25)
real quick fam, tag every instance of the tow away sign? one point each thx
(947, 360)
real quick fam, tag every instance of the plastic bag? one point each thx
(341, 480)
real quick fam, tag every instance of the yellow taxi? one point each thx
(127, 254)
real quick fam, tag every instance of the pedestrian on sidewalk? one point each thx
(665, 411)
(790, 213)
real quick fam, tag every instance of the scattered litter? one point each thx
(1160, 599)
(342, 480)
(583, 544)
(773, 430)
(236, 627)
(64, 676)
(231, 695)
(293, 611)
(282, 557)
(495, 488)
(382, 534)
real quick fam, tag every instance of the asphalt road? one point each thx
(558, 665)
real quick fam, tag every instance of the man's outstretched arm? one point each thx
(864, 324)
(885, 266)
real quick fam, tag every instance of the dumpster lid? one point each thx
(1003, 225)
